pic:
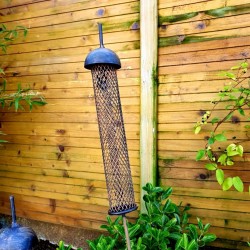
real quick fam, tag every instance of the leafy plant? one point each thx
(32, 98)
(61, 246)
(164, 226)
(15, 99)
(235, 97)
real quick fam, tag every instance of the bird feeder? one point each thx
(17, 237)
(103, 64)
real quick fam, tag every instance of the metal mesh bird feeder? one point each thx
(103, 64)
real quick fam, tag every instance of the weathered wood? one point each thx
(56, 147)
(204, 56)
(196, 164)
(54, 153)
(149, 74)
(68, 142)
(47, 8)
(8, 4)
(189, 4)
(202, 37)
(203, 174)
(73, 15)
(59, 168)
(62, 129)
(201, 26)
(81, 28)
(196, 87)
(200, 67)
(63, 55)
(90, 41)
(188, 155)
(193, 116)
(61, 117)
(206, 45)
(128, 64)
(198, 10)
(76, 76)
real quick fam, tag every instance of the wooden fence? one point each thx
(197, 39)
(53, 164)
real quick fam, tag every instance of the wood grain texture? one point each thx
(149, 75)
(52, 163)
(197, 40)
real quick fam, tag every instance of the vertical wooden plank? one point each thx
(149, 75)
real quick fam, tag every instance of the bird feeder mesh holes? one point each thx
(113, 139)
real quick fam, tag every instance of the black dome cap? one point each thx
(102, 55)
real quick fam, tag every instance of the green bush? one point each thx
(164, 226)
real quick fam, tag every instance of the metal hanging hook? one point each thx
(100, 35)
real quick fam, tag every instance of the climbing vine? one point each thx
(235, 98)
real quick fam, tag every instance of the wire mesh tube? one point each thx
(113, 139)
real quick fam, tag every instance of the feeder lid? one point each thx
(102, 55)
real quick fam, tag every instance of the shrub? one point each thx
(164, 226)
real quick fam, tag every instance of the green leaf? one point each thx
(185, 240)
(192, 245)
(211, 140)
(193, 231)
(206, 227)
(229, 162)
(230, 75)
(233, 149)
(240, 150)
(215, 120)
(227, 184)
(220, 137)
(179, 244)
(241, 111)
(228, 117)
(200, 154)
(244, 65)
(167, 193)
(2, 71)
(229, 106)
(238, 184)
(17, 105)
(4, 84)
(197, 130)
(235, 67)
(132, 230)
(211, 166)
(220, 176)
(39, 103)
(222, 159)
(209, 238)
(200, 225)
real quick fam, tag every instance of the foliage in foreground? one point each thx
(61, 246)
(233, 99)
(164, 226)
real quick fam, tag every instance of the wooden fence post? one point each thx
(149, 82)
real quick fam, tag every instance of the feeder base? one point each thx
(111, 210)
